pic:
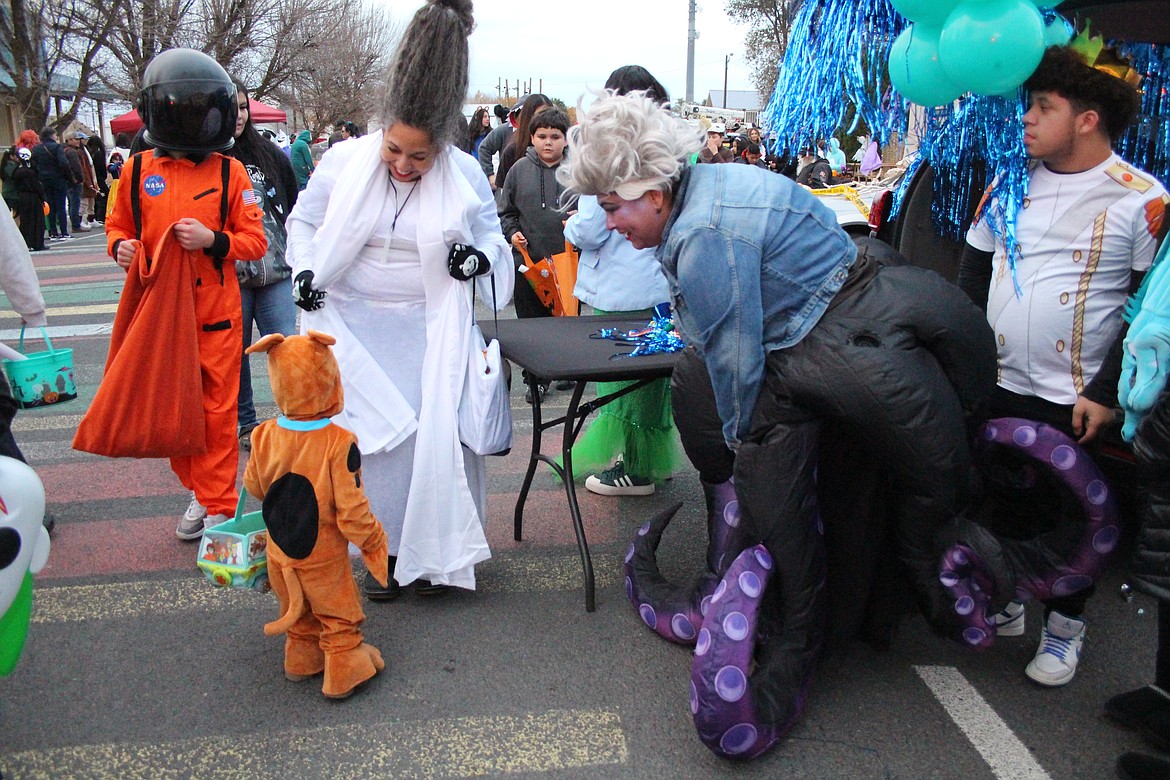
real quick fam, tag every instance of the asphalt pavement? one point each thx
(137, 667)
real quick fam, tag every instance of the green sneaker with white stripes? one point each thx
(614, 481)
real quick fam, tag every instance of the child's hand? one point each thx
(193, 234)
(518, 240)
(126, 251)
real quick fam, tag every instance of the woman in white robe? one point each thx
(371, 244)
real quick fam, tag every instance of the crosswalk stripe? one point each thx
(61, 331)
(68, 311)
(445, 747)
(105, 262)
(504, 574)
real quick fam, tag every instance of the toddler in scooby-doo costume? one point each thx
(307, 472)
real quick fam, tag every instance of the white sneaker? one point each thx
(84, 227)
(212, 520)
(1056, 659)
(191, 523)
(1010, 622)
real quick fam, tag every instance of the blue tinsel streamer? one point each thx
(657, 337)
(982, 132)
(1147, 142)
(835, 63)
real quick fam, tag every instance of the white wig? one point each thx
(627, 145)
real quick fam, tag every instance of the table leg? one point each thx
(570, 435)
(533, 457)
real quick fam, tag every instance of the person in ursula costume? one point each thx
(383, 244)
(307, 471)
(789, 326)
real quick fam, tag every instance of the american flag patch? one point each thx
(250, 198)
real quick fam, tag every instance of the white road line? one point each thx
(59, 331)
(1003, 751)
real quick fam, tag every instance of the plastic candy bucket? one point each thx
(42, 378)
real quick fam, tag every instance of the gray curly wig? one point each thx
(627, 145)
(427, 79)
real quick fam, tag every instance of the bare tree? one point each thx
(146, 28)
(322, 56)
(51, 44)
(764, 45)
(341, 76)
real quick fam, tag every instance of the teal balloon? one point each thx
(992, 45)
(932, 12)
(1057, 33)
(915, 69)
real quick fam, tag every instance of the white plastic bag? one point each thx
(485, 410)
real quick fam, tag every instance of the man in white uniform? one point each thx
(1087, 233)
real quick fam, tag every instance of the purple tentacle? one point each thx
(723, 701)
(1053, 450)
(964, 575)
(675, 612)
(973, 567)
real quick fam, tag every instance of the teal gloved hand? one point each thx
(1143, 372)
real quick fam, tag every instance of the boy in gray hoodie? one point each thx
(529, 204)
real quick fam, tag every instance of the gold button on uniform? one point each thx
(1060, 346)
(1063, 299)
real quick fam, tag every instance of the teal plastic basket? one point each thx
(234, 554)
(42, 378)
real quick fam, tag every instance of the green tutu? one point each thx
(638, 427)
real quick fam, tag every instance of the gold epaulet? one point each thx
(1129, 178)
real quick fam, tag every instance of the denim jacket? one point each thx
(752, 261)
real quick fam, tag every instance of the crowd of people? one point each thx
(380, 241)
(63, 185)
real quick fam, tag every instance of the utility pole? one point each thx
(692, 34)
(726, 60)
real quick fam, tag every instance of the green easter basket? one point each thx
(234, 554)
(42, 378)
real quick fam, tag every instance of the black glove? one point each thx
(303, 293)
(466, 262)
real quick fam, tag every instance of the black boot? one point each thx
(374, 590)
(1146, 710)
(428, 588)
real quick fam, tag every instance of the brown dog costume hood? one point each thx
(306, 381)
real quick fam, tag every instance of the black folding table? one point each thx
(560, 348)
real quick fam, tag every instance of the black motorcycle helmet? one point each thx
(188, 103)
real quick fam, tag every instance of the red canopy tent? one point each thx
(130, 122)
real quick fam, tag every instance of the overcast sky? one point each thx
(574, 46)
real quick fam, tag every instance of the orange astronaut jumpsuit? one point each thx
(170, 189)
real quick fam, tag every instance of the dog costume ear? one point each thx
(265, 344)
(322, 338)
